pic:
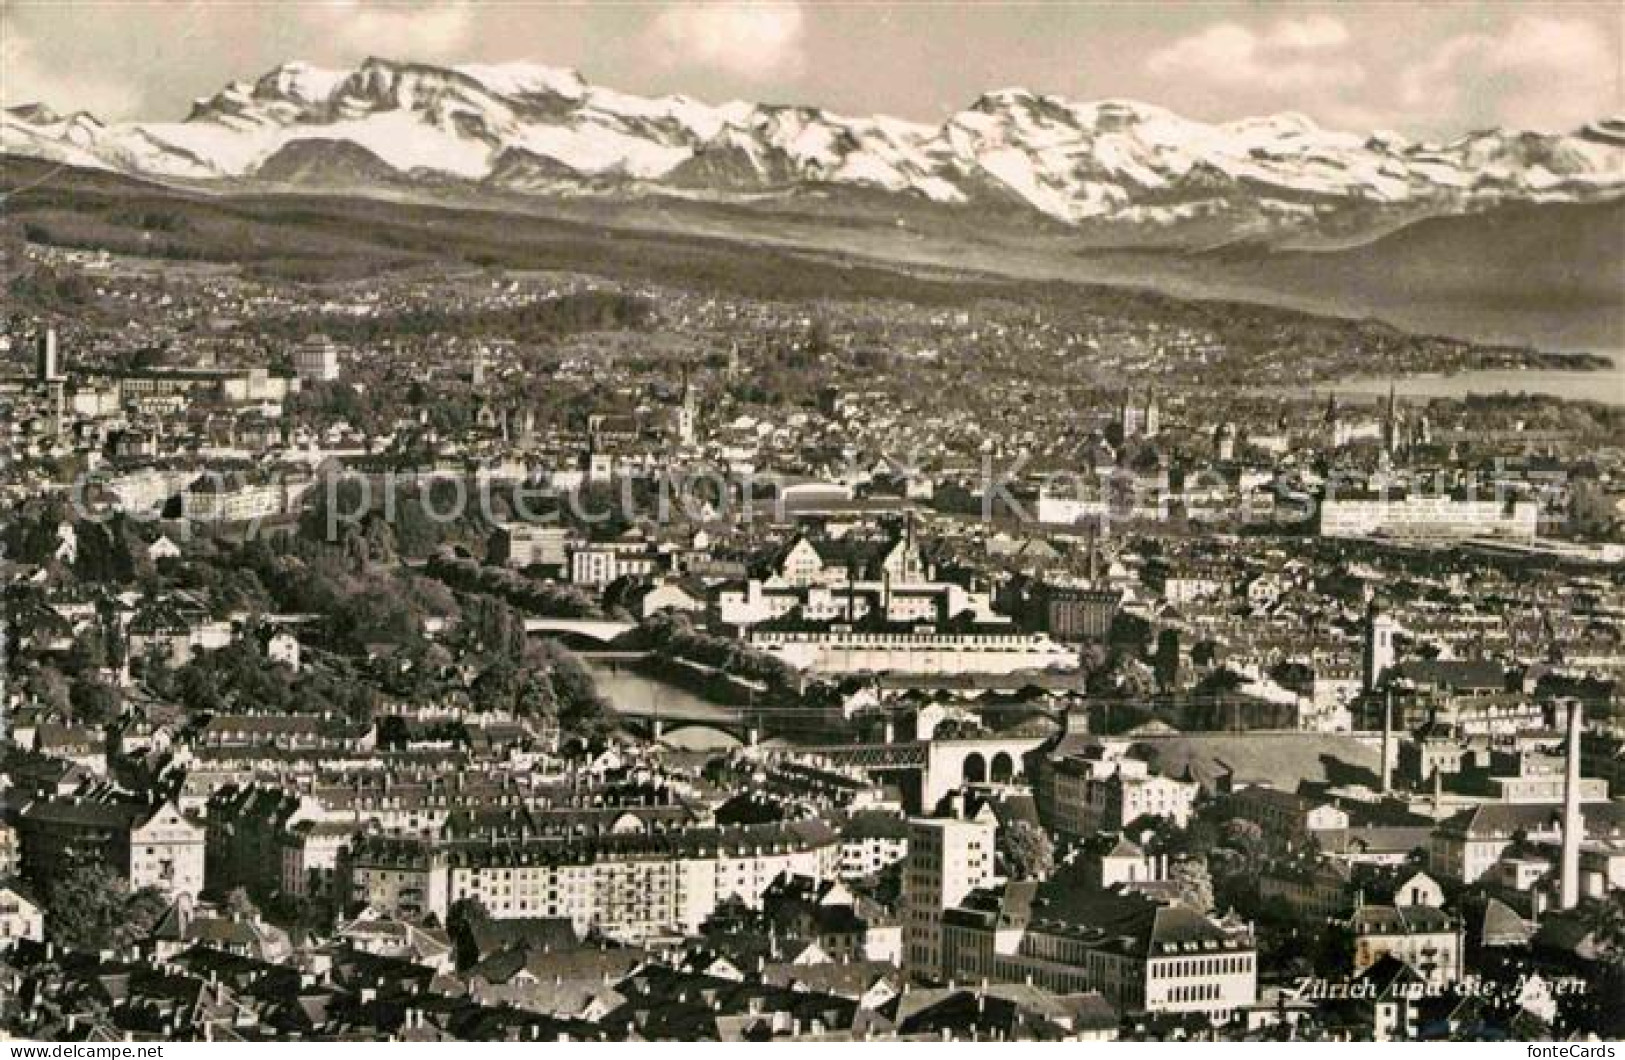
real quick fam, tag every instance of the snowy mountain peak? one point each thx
(526, 79)
(299, 82)
(34, 114)
(530, 127)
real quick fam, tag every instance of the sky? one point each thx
(1423, 68)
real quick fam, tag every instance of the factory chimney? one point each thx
(47, 363)
(1573, 819)
(1387, 742)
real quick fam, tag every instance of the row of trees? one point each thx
(241, 677)
(533, 596)
(672, 634)
(420, 518)
(541, 320)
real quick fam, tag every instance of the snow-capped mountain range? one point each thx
(531, 128)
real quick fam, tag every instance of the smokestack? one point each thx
(47, 365)
(1573, 819)
(1387, 743)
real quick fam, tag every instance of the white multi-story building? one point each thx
(1144, 956)
(948, 858)
(521, 545)
(316, 360)
(228, 499)
(1428, 939)
(148, 846)
(21, 915)
(871, 842)
(750, 602)
(1420, 515)
(631, 886)
(1107, 793)
(840, 649)
(597, 566)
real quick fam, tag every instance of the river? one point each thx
(638, 693)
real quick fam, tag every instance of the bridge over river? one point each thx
(599, 630)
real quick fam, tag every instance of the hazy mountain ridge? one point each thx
(535, 129)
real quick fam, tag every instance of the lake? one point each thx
(1607, 386)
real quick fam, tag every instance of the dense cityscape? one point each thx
(533, 656)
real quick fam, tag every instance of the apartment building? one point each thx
(148, 845)
(1141, 954)
(633, 886)
(948, 858)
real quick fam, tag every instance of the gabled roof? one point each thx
(1502, 926)
(1459, 674)
(1386, 977)
(1400, 920)
(543, 934)
(21, 890)
(851, 979)
(1500, 820)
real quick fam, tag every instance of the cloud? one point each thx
(755, 41)
(1292, 55)
(423, 30)
(1539, 73)
(29, 76)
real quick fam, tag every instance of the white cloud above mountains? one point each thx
(755, 41)
(27, 75)
(1541, 72)
(424, 30)
(1293, 55)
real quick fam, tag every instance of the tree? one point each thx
(1592, 513)
(1027, 851)
(1193, 882)
(1160, 835)
(95, 703)
(88, 653)
(463, 919)
(1247, 839)
(50, 689)
(92, 908)
(239, 904)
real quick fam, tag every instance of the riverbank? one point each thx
(651, 683)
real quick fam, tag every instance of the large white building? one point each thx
(1089, 793)
(522, 545)
(1430, 940)
(841, 649)
(752, 601)
(633, 886)
(948, 858)
(148, 846)
(21, 915)
(1428, 516)
(1143, 955)
(316, 360)
(226, 499)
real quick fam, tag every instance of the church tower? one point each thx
(1392, 437)
(1336, 433)
(1379, 647)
